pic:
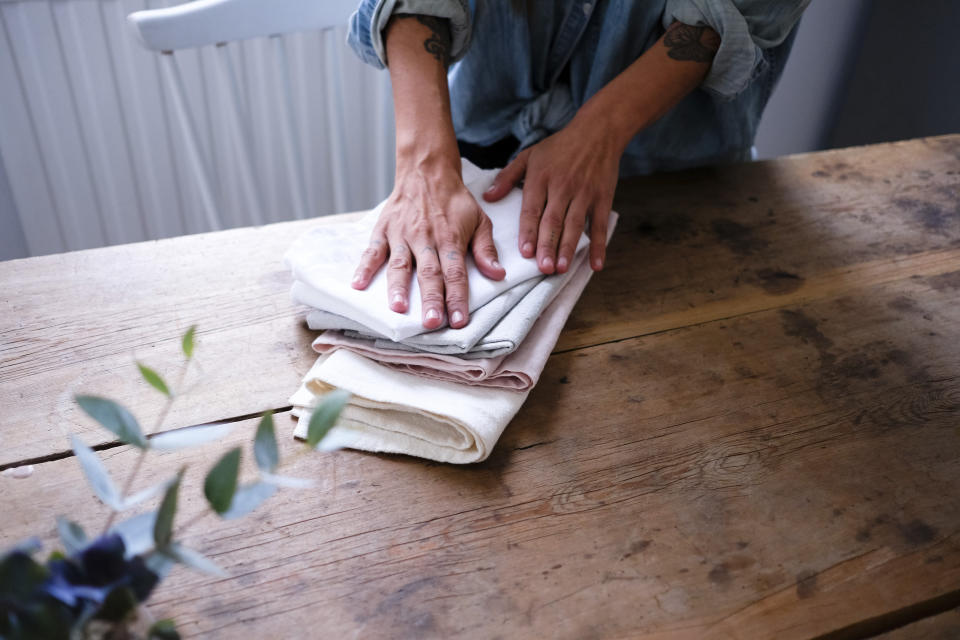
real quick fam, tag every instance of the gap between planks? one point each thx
(68, 453)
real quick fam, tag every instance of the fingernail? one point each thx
(432, 314)
(548, 264)
(398, 299)
(358, 278)
(527, 248)
(456, 317)
(561, 264)
(598, 264)
(492, 188)
(496, 265)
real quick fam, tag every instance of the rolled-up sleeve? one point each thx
(745, 27)
(368, 22)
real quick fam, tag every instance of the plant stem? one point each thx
(143, 452)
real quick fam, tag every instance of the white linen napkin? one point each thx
(324, 259)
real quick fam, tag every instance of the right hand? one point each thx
(429, 220)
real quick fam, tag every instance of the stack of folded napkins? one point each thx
(446, 394)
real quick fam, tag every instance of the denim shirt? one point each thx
(526, 72)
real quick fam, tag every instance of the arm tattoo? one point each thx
(440, 40)
(684, 42)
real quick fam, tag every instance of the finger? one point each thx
(508, 177)
(548, 236)
(599, 222)
(370, 261)
(531, 208)
(485, 250)
(455, 285)
(572, 228)
(399, 270)
(430, 277)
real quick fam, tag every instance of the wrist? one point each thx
(605, 126)
(426, 159)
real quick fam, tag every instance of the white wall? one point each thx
(93, 154)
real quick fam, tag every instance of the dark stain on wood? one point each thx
(806, 584)
(797, 324)
(670, 228)
(720, 575)
(738, 238)
(945, 281)
(904, 305)
(636, 547)
(917, 532)
(778, 282)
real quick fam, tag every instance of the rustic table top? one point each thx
(749, 428)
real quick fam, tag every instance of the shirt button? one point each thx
(586, 7)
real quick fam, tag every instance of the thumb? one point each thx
(508, 177)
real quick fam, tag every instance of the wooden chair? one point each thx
(217, 22)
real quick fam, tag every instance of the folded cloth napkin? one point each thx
(399, 412)
(323, 261)
(489, 333)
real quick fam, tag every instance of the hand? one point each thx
(567, 177)
(429, 220)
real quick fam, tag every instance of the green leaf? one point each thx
(163, 630)
(325, 416)
(153, 378)
(265, 444)
(114, 418)
(288, 482)
(96, 474)
(195, 560)
(71, 535)
(120, 601)
(221, 482)
(247, 498)
(163, 527)
(188, 341)
(137, 533)
(190, 436)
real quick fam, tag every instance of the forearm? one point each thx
(653, 84)
(418, 50)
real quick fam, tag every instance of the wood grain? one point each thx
(749, 428)
(782, 474)
(691, 247)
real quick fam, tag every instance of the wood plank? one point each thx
(692, 247)
(783, 474)
(945, 626)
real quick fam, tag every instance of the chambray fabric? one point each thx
(526, 73)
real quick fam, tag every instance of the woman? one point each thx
(574, 95)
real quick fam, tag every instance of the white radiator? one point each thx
(94, 157)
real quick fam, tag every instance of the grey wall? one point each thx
(801, 109)
(905, 81)
(13, 244)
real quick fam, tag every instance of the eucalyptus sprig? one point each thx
(94, 587)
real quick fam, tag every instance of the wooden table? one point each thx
(749, 429)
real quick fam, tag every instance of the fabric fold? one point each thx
(399, 411)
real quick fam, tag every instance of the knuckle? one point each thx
(400, 263)
(431, 298)
(429, 270)
(456, 299)
(455, 273)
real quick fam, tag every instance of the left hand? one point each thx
(566, 177)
